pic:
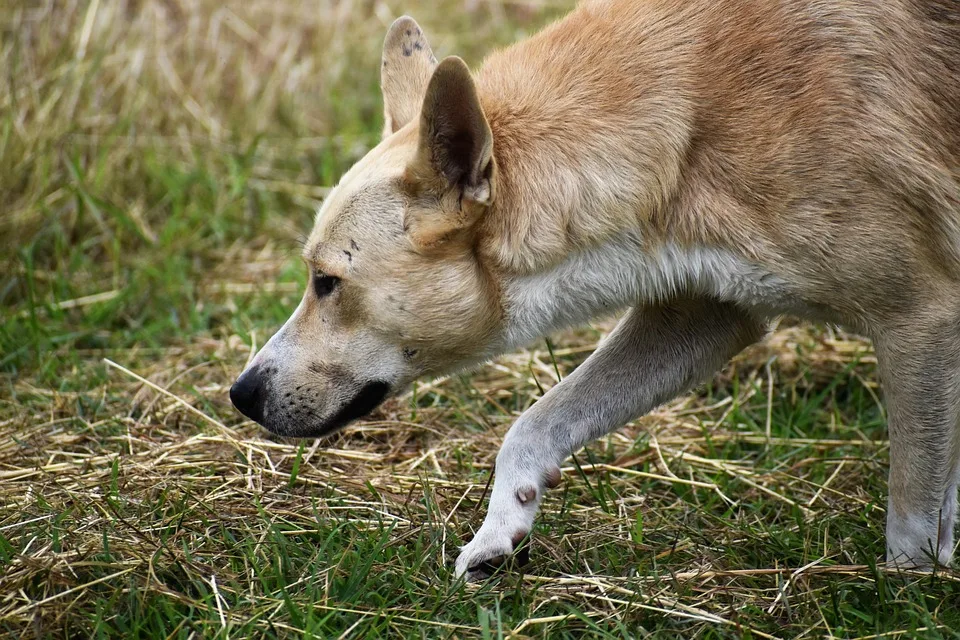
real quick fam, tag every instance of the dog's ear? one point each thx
(407, 65)
(454, 157)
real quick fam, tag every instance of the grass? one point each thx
(158, 162)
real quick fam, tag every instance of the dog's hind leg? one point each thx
(919, 362)
(654, 354)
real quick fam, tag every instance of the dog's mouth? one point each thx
(370, 396)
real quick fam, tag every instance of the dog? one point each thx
(703, 166)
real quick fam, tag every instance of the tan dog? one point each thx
(707, 164)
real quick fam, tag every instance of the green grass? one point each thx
(159, 162)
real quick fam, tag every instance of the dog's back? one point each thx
(837, 126)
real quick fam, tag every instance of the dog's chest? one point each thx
(621, 274)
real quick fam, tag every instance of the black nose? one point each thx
(247, 395)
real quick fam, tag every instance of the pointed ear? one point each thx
(456, 144)
(407, 65)
(454, 158)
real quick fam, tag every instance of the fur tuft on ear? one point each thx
(408, 62)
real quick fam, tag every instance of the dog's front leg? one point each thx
(654, 354)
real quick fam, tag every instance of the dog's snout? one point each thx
(247, 394)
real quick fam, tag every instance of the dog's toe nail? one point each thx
(523, 556)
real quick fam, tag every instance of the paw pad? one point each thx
(526, 494)
(518, 538)
(553, 477)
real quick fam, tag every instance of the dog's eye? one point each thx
(324, 284)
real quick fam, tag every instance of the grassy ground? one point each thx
(159, 160)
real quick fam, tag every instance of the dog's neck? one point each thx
(582, 159)
(583, 168)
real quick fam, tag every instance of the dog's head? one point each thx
(396, 289)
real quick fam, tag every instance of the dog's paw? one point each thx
(488, 552)
(916, 560)
(918, 542)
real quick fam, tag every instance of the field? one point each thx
(160, 162)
